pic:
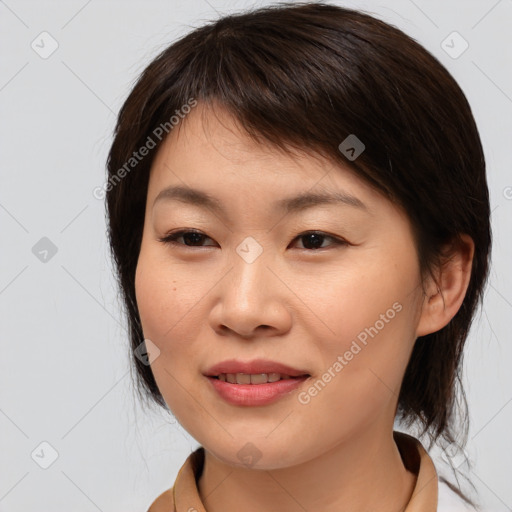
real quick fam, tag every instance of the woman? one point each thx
(299, 217)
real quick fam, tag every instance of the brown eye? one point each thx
(313, 240)
(190, 238)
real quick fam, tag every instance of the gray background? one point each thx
(64, 370)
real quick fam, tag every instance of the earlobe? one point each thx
(443, 298)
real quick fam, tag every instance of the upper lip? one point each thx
(253, 367)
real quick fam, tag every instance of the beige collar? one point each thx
(184, 496)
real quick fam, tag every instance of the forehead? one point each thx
(212, 135)
(210, 151)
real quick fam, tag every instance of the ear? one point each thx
(443, 298)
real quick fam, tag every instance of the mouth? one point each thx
(255, 389)
(254, 383)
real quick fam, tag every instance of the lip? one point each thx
(252, 395)
(255, 394)
(254, 366)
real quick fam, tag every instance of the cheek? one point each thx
(170, 300)
(154, 295)
(166, 307)
(166, 297)
(361, 374)
(371, 312)
(366, 301)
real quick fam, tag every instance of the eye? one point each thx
(312, 240)
(191, 238)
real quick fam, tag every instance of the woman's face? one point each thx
(340, 307)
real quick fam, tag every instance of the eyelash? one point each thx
(171, 238)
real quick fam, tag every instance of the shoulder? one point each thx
(185, 485)
(163, 503)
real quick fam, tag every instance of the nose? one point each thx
(252, 300)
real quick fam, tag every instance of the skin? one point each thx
(294, 304)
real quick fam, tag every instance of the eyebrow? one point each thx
(288, 205)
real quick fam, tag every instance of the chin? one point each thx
(256, 453)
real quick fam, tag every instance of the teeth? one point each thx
(246, 378)
(243, 378)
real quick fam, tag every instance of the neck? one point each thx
(366, 473)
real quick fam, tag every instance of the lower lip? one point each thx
(255, 394)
